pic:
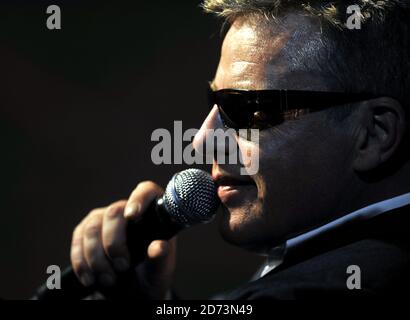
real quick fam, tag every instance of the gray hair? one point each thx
(374, 59)
(331, 11)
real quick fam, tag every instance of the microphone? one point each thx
(190, 198)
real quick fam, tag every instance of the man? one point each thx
(331, 196)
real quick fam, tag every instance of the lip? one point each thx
(228, 193)
(230, 187)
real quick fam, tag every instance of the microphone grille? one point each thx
(191, 197)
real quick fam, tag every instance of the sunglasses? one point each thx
(261, 109)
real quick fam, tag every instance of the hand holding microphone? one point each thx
(99, 251)
(129, 245)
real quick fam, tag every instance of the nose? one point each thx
(206, 135)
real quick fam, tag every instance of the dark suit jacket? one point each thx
(318, 268)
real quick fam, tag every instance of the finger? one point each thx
(141, 198)
(160, 264)
(78, 261)
(114, 237)
(94, 252)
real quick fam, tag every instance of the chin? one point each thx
(245, 228)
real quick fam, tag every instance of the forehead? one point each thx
(259, 54)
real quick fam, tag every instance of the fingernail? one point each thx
(121, 264)
(106, 280)
(131, 210)
(87, 279)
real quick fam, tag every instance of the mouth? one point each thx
(231, 188)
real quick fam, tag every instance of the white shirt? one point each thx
(277, 254)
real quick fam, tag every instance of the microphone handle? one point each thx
(155, 224)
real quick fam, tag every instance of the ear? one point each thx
(381, 127)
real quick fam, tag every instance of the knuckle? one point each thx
(77, 233)
(149, 186)
(76, 241)
(93, 228)
(115, 210)
(95, 212)
(144, 191)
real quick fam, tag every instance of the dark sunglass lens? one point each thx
(236, 111)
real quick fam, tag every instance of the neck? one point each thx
(365, 191)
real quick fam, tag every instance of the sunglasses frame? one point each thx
(288, 100)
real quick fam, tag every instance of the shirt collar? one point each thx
(276, 255)
(367, 212)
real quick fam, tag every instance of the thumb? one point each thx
(160, 263)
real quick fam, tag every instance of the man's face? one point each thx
(304, 164)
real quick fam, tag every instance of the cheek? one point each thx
(273, 153)
(300, 149)
(248, 143)
(299, 167)
(285, 163)
(276, 156)
(267, 155)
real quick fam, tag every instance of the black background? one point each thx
(77, 109)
